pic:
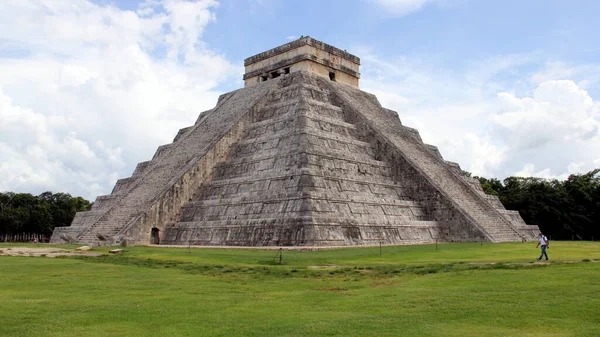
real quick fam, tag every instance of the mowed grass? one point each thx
(457, 290)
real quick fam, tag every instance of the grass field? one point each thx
(457, 290)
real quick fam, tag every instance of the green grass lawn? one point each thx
(458, 290)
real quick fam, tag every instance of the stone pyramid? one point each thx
(298, 157)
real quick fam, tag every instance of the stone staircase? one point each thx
(109, 225)
(437, 172)
(300, 159)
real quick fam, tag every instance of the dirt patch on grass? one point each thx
(44, 251)
(327, 266)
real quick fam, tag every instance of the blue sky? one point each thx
(90, 88)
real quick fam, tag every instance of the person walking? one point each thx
(543, 241)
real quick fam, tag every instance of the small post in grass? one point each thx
(280, 255)
(379, 247)
(436, 247)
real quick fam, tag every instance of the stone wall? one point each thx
(303, 41)
(305, 54)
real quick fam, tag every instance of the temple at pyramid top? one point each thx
(304, 54)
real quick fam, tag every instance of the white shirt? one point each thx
(543, 240)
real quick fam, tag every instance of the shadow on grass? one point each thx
(270, 268)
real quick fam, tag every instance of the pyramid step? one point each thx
(300, 90)
(299, 86)
(267, 198)
(319, 221)
(327, 152)
(279, 108)
(291, 157)
(300, 143)
(250, 212)
(334, 163)
(314, 132)
(348, 180)
(307, 119)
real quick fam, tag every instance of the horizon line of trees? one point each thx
(27, 213)
(564, 210)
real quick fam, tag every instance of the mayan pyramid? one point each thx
(298, 157)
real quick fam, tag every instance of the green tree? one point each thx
(562, 209)
(491, 186)
(23, 212)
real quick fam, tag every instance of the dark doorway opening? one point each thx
(155, 236)
(275, 74)
(332, 75)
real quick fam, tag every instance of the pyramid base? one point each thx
(304, 232)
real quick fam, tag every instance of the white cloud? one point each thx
(559, 111)
(529, 171)
(557, 128)
(484, 156)
(96, 89)
(477, 118)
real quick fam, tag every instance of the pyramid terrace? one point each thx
(298, 157)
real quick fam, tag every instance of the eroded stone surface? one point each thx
(304, 54)
(299, 160)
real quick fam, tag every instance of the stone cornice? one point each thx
(306, 40)
(296, 59)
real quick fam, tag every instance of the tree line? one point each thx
(563, 210)
(26, 213)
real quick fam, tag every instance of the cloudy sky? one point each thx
(90, 88)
